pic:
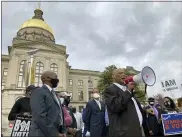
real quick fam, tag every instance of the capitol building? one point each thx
(35, 33)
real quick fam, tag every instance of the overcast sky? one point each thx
(100, 34)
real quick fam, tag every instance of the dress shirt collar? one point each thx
(120, 86)
(50, 89)
(97, 100)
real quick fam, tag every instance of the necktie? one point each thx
(61, 112)
(55, 97)
(99, 104)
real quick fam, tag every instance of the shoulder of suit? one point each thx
(20, 99)
(102, 102)
(111, 86)
(90, 101)
(39, 90)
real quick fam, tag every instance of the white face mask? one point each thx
(96, 95)
(62, 100)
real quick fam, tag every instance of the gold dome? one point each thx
(37, 23)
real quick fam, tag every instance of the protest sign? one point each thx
(21, 126)
(172, 123)
(169, 85)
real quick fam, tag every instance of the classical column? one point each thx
(12, 71)
(64, 75)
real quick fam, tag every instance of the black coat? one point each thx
(152, 122)
(123, 118)
(21, 106)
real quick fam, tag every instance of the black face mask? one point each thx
(66, 100)
(167, 104)
(54, 82)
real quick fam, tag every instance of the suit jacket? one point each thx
(46, 113)
(123, 118)
(94, 119)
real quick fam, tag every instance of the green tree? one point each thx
(106, 80)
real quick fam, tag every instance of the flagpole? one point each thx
(30, 67)
(30, 64)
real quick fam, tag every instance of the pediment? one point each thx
(41, 47)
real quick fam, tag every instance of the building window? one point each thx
(90, 83)
(80, 82)
(5, 72)
(80, 95)
(54, 68)
(81, 109)
(3, 85)
(71, 93)
(90, 93)
(38, 72)
(70, 82)
(21, 80)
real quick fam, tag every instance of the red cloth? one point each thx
(67, 117)
(129, 80)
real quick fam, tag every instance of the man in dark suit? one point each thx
(125, 112)
(94, 118)
(47, 115)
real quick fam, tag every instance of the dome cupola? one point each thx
(36, 29)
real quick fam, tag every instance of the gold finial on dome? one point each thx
(37, 20)
(39, 4)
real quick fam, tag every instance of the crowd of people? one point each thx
(120, 114)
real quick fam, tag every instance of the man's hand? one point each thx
(150, 111)
(72, 131)
(150, 132)
(26, 113)
(160, 121)
(62, 135)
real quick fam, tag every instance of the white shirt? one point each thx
(78, 117)
(98, 103)
(135, 103)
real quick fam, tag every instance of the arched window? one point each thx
(54, 68)
(80, 95)
(38, 72)
(21, 80)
